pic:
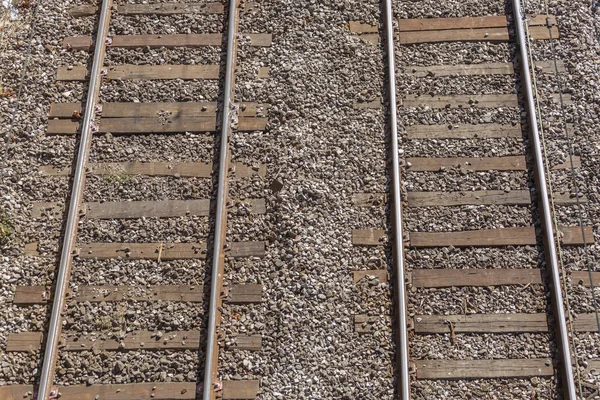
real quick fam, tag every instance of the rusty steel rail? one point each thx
(66, 259)
(568, 383)
(398, 243)
(210, 384)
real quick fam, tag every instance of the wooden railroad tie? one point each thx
(519, 236)
(460, 101)
(156, 251)
(489, 369)
(134, 340)
(471, 29)
(139, 209)
(506, 163)
(439, 278)
(418, 71)
(461, 198)
(128, 118)
(167, 41)
(241, 389)
(159, 9)
(150, 72)
(235, 294)
(481, 277)
(496, 323)
(174, 169)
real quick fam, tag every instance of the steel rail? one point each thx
(546, 222)
(220, 216)
(66, 259)
(398, 245)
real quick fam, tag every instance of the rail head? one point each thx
(398, 245)
(562, 336)
(64, 270)
(211, 355)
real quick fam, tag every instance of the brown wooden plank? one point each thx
(507, 163)
(75, 73)
(62, 127)
(462, 101)
(547, 67)
(246, 171)
(521, 236)
(439, 278)
(83, 11)
(473, 369)
(246, 389)
(380, 274)
(159, 209)
(137, 125)
(251, 124)
(136, 391)
(149, 110)
(464, 131)
(154, 110)
(167, 251)
(433, 24)
(168, 124)
(155, 125)
(481, 323)
(29, 295)
(245, 249)
(466, 197)
(171, 8)
(168, 41)
(368, 237)
(138, 209)
(478, 69)
(155, 8)
(479, 197)
(456, 35)
(237, 294)
(134, 340)
(182, 169)
(131, 391)
(244, 294)
(586, 323)
(460, 70)
(137, 72)
(371, 38)
(24, 341)
(493, 21)
(583, 278)
(472, 35)
(246, 342)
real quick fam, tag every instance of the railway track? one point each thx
(437, 257)
(444, 273)
(72, 295)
